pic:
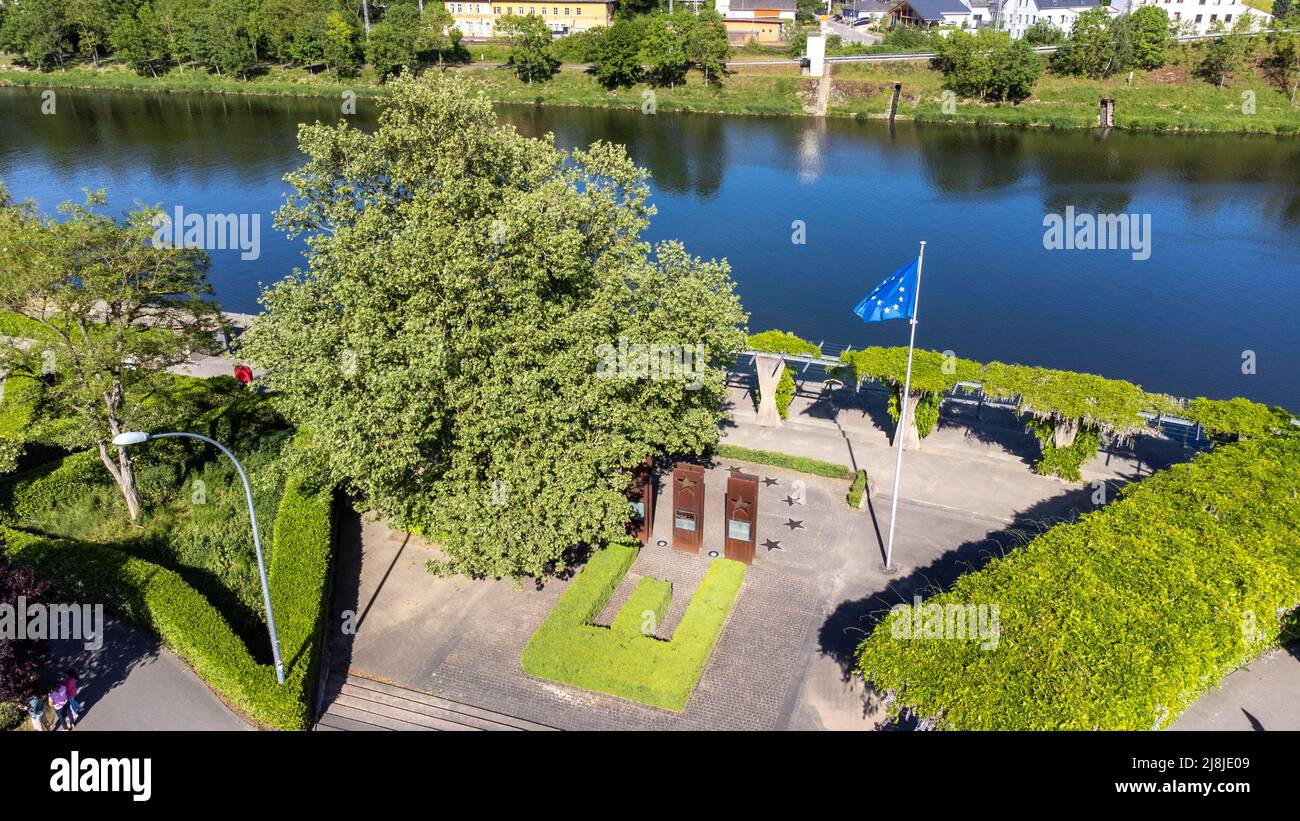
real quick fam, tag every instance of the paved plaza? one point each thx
(817, 584)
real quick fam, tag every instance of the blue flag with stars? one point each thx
(894, 298)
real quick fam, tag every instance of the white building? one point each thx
(1201, 16)
(1019, 15)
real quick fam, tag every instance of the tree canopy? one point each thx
(466, 284)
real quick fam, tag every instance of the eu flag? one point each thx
(894, 298)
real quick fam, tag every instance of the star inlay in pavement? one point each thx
(771, 545)
(733, 469)
(795, 524)
(791, 501)
(769, 481)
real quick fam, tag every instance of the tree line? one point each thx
(988, 65)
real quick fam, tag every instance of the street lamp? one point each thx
(125, 440)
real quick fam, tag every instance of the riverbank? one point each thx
(1168, 99)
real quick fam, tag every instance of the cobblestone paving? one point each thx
(743, 687)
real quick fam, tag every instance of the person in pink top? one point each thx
(70, 686)
(59, 701)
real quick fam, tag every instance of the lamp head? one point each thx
(123, 440)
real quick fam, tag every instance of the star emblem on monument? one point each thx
(795, 524)
(741, 504)
(687, 483)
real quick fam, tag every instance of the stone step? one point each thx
(365, 704)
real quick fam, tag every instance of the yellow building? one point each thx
(478, 21)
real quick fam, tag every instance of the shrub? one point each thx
(785, 390)
(21, 659)
(1065, 462)
(858, 489)
(783, 342)
(621, 661)
(1123, 619)
(650, 599)
(1237, 418)
(802, 464)
(44, 486)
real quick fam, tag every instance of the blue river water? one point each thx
(811, 215)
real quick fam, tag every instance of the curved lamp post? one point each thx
(125, 440)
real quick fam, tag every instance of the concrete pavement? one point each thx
(1264, 695)
(131, 683)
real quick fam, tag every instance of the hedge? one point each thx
(783, 342)
(569, 649)
(18, 398)
(857, 489)
(802, 464)
(158, 599)
(1123, 619)
(651, 597)
(38, 488)
(1237, 418)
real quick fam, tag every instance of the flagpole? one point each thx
(904, 401)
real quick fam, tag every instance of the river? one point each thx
(1217, 273)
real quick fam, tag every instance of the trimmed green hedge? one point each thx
(1123, 619)
(783, 342)
(158, 599)
(801, 464)
(651, 597)
(569, 649)
(42, 486)
(858, 489)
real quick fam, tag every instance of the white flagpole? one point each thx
(901, 432)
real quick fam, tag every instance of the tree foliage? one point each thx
(988, 65)
(21, 659)
(117, 311)
(463, 283)
(617, 62)
(532, 49)
(1090, 50)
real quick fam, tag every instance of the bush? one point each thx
(785, 390)
(159, 600)
(1237, 418)
(801, 464)
(622, 662)
(650, 598)
(783, 342)
(21, 659)
(858, 489)
(1123, 619)
(45, 486)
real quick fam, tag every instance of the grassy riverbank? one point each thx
(1166, 99)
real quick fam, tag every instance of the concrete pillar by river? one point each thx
(770, 367)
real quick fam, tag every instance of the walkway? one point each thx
(130, 683)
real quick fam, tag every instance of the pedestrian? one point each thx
(36, 710)
(59, 701)
(244, 374)
(70, 685)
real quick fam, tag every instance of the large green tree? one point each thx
(618, 54)
(449, 349)
(1149, 36)
(1090, 50)
(988, 65)
(532, 48)
(112, 310)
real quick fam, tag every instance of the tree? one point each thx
(532, 52)
(707, 46)
(663, 48)
(1283, 61)
(225, 38)
(1089, 51)
(116, 311)
(340, 45)
(137, 39)
(988, 65)
(1149, 36)
(806, 10)
(1281, 9)
(451, 339)
(1043, 33)
(40, 31)
(1226, 55)
(393, 46)
(618, 54)
(91, 20)
(21, 659)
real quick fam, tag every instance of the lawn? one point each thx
(622, 660)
